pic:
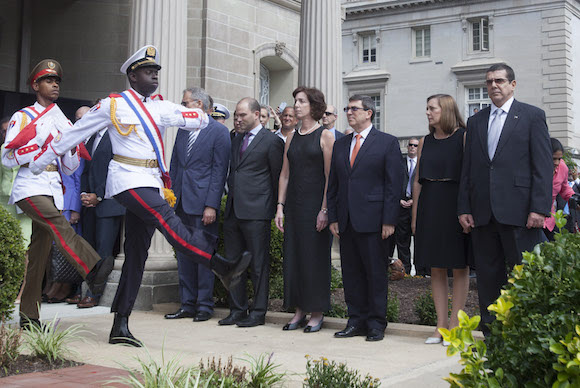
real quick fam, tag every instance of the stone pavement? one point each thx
(401, 360)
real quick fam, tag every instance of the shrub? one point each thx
(12, 253)
(335, 279)
(50, 342)
(337, 310)
(323, 373)
(393, 306)
(536, 313)
(425, 309)
(10, 340)
(276, 250)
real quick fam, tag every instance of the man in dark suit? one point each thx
(101, 217)
(329, 120)
(199, 165)
(255, 164)
(364, 190)
(506, 184)
(402, 237)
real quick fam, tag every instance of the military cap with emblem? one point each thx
(145, 56)
(43, 69)
(220, 111)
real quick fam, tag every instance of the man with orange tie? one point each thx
(364, 189)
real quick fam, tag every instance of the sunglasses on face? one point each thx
(354, 109)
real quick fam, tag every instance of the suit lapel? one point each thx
(509, 126)
(347, 152)
(89, 145)
(482, 124)
(255, 141)
(364, 148)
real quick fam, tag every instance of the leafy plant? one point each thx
(568, 365)
(12, 253)
(10, 341)
(50, 342)
(322, 373)
(335, 279)
(393, 307)
(226, 374)
(425, 309)
(337, 310)
(536, 313)
(263, 373)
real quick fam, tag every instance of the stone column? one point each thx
(320, 49)
(164, 25)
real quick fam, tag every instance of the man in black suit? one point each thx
(101, 217)
(198, 169)
(364, 190)
(506, 184)
(255, 164)
(402, 236)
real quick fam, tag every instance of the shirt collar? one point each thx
(39, 108)
(364, 133)
(505, 107)
(141, 97)
(255, 130)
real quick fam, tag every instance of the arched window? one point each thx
(264, 85)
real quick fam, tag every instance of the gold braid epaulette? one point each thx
(23, 122)
(130, 128)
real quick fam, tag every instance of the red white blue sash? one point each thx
(30, 112)
(151, 130)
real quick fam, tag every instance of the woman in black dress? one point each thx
(302, 214)
(439, 239)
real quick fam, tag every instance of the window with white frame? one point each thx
(479, 32)
(368, 52)
(377, 120)
(477, 99)
(422, 42)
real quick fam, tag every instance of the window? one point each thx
(480, 34)
(477, 99)
(264, 85)
(422, 42)
(377, 120)
(369, 48)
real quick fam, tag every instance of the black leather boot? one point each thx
(229, 271)
(120, 333)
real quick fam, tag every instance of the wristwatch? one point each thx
(100, 199)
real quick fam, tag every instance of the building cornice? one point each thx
(293, 5)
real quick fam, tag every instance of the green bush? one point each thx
(335, 279)
(537, 310)
(12, 262)
(393, 306)
(323, 373)
(10, 340)
(425, 309)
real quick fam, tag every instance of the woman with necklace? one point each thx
(302, 213)
(439, 239)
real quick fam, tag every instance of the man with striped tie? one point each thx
(198, 170)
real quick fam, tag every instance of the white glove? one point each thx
(172, 120)
(43, 132)
(37, 166)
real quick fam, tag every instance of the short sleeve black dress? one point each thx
(439, 239)
(306, 251)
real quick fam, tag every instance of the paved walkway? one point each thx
(401, 360)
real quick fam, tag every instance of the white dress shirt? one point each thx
(505, 108)
(363, 134)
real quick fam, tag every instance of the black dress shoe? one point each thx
(251, 322)
(229, 271)
(375, 335)
(181, 313)
(120, 333)
(97, 279)
(25, 323)
(350, 331)
(233, 318)
(202, 316)
(293, 326)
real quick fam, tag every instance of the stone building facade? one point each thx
(402, 51)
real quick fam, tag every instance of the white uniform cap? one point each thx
(145, 56)
(220, 111)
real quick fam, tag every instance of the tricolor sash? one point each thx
(151, 130)
(30, 112)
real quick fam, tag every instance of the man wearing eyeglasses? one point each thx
(364, 189)
(329, 120)
(506, 183)
(402, 237)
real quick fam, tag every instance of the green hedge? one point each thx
(12, 262)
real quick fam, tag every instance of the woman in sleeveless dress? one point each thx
(439, 239)
(302, 213)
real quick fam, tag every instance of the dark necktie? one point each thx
(245, 144)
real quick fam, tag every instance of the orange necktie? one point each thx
(355, 150)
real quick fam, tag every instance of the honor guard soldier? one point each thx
(220, 113)
(40, 195)
(138, 179)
